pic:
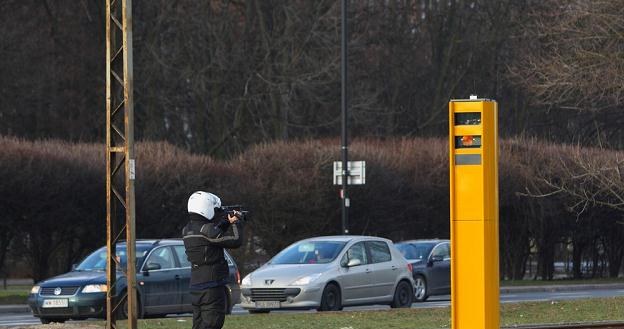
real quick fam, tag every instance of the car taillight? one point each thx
(409, 267)
(238, 277)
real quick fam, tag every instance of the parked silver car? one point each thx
(327, 273)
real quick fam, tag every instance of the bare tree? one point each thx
(575, 61)
(592, 177)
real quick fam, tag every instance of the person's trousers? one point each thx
(208, 308)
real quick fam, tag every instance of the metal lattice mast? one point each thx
(120, 165)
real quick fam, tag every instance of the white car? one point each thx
(327, 273)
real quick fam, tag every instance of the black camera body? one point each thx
(230, 210)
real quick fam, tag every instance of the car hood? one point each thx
(285, 274)
(77, 278)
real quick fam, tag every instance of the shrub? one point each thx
(53, 197)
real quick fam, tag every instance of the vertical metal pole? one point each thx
(110, 220)
(120, 164)
(344, 141)
(130, 162)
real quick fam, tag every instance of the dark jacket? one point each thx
(204, 241)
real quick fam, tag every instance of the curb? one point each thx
(562, 287)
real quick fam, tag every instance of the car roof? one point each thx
(423, 241)
(160, 242)
(345, 238)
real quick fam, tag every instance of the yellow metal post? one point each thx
(474, 214)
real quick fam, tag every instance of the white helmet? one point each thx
(203, 203)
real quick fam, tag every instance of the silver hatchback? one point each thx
(327, 273)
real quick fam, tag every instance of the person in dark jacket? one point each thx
(208, 232)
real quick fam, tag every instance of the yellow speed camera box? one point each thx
(474, 213)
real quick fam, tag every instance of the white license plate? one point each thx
(268, 304)
(49, 303)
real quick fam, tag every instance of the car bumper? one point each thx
(79, 306)
(301, 297)
(235, 293)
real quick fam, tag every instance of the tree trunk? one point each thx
(546, 258)
(577, 258)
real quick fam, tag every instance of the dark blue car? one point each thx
(431, 266)
(163, 276)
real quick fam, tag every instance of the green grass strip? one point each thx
(554, 312)
(14, 295)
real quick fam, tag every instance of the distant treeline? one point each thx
(214, 77)
(52, 210)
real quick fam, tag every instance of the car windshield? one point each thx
(97, 260)
(309, 252)
(415, 251)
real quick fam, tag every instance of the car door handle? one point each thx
(177, 277)
(368, 270)
(394, 268)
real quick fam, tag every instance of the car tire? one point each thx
(258, 311)
(45, 320)
(403, 295)
(420, 292)
(122, 312)
(331, 299)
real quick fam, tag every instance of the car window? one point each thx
(96, 261)
(357, 251)
(163, 257)
(447, 255)
(180, 252)
(442, 251)
(379, 251)
(419, 250)
(229, 259)
(309, 252)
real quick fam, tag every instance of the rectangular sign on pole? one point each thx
(474, 214)
(357, 173)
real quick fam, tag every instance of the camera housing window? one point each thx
(468, 119)
(467, 141)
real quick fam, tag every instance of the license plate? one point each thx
(49, 303)
(268, 304)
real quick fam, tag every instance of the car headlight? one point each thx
(246, 280)
(304, 280)
(94, 288)
(35, 289)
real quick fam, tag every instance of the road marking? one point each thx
(18, 322)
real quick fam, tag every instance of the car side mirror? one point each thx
(354, 262)
(74, 266)
(153, 266)
(435, 259)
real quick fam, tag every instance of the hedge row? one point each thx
(52, 200)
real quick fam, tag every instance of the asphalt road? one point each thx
(16, 319)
